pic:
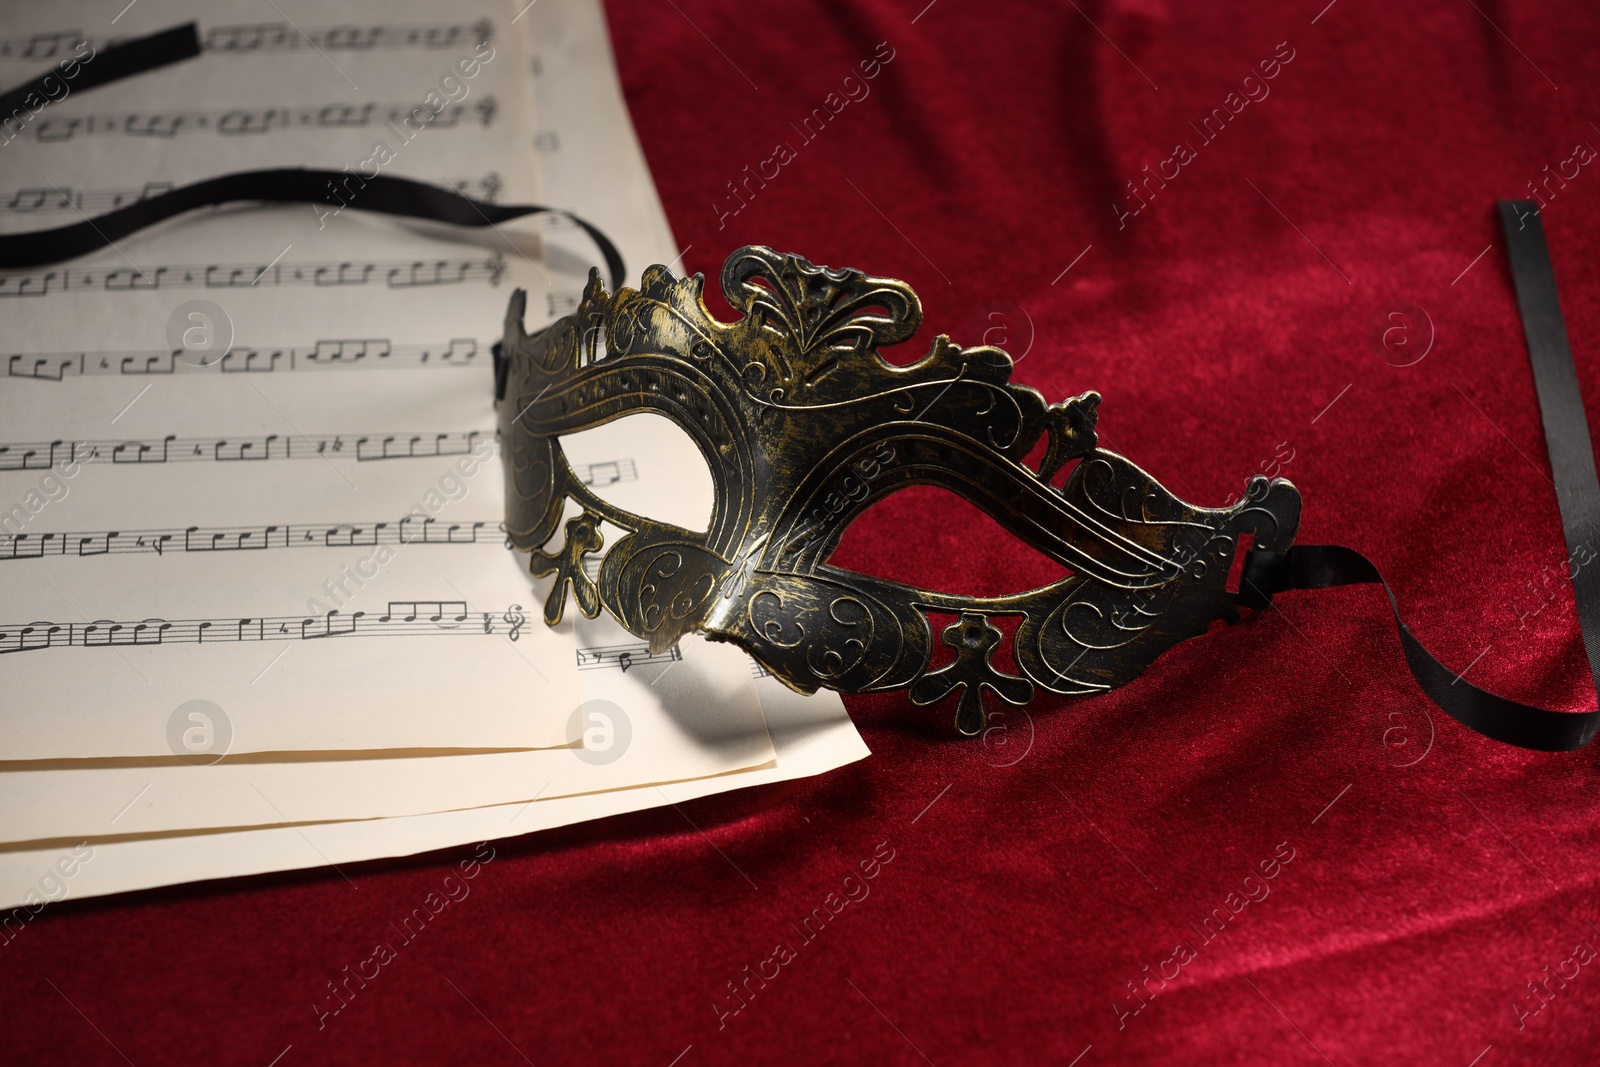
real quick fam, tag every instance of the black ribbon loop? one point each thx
(1566, 431)
(380, 193)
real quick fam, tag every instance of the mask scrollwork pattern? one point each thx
(804, 425)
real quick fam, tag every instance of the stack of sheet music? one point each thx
(258, 611)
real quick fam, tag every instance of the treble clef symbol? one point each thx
(514, 618)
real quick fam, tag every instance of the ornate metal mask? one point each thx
(804, 425)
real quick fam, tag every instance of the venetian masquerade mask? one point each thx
(804, 425)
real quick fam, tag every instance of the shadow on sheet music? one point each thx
(519, 237)
(688, 690)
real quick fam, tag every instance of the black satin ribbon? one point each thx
(341, 189)
(1566, 431)
(383, 194)
(119, 61)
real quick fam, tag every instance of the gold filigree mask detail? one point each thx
(804, 425)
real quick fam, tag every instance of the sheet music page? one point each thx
(810, 734)
(248, 456)
(688, 711)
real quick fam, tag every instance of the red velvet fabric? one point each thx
(1039, 890)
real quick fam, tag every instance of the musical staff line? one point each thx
(273, 37)
(404, 618)
(355, 353)
(41, 455)
(562, 302)
(410, 530)
(34, 199)
(624, 657)
(255, 121)
(394, 274)
(363, 448)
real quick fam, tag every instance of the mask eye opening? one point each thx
(941, 543)
(648, 466)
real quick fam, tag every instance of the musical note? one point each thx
(46, 366)
(248, 121)
(41, 455)
(334, 624)
(404, 618)
(486, 189)
(395, 275)
(256, 38)
(30, 200)
(329, 353)
(446, 613)
(624, 657)
(42, 45)
(758, 672)
(599, 475)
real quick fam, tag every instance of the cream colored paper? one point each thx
(714, 725)
(811, 736)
